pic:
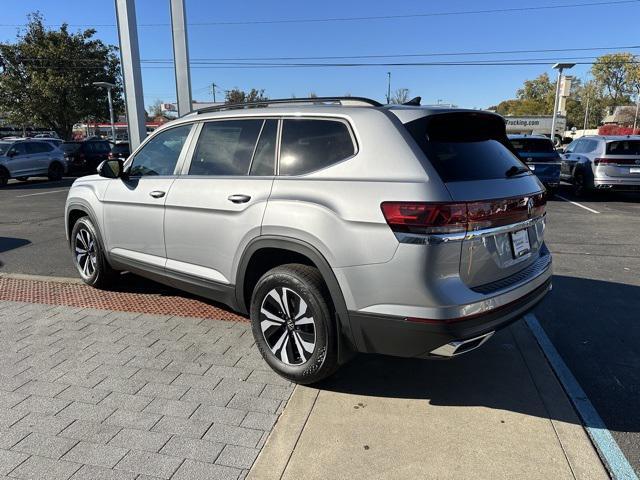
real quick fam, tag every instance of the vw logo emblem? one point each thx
(530, 207)
(638, 162)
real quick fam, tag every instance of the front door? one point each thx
(216, 206)
(134, 205)
(19, 160)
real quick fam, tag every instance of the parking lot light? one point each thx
(109, 86)
(560, 67)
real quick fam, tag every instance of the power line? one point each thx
(366, 18)
(403, 55)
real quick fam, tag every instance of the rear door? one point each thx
(40, 156)
(216, 206)
(504, 200)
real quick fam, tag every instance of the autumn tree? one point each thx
(400, 96)
(46, 77)
(612, 72)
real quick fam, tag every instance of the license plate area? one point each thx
(520, 245)
(634, 170)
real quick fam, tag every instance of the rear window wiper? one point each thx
(515, 170)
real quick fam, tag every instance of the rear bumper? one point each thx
(397, 336)
(613, 183)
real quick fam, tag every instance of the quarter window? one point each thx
(160, 154)
(264, 158)
(225, 147)
(309, 145)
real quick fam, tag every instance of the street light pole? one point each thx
(635, 118)
(109, 86)
(388, 87)
(560, 67)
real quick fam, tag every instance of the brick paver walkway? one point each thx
(100, 394)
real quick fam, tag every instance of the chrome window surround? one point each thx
(437, 239)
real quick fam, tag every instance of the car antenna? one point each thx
(415, 101)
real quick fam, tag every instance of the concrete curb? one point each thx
(275, 455)
(41, 278)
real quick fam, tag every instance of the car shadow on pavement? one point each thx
(594, 325)
(599, 196)
(11, 243)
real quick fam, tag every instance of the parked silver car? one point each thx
(337, 224)
(602, 163)
(22, 159)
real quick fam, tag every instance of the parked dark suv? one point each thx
(87, 155)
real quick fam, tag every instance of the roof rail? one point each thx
(280, 101)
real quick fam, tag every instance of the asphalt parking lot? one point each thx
(591, 316)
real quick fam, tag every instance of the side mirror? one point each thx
(111, 169)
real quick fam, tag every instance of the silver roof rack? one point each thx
(345, 101)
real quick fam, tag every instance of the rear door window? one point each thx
(309, 145)
(225, 147)
(624, 147)
(465, 146)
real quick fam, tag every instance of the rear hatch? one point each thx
(622, 159)
(503, 200)
(540, 156)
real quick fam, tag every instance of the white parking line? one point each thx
(577, 204)
(606, 445)
(41, 193)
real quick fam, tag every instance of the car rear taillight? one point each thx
(614, 161)
(419, 217)
(457, 217)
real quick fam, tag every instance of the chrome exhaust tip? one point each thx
(459, 347)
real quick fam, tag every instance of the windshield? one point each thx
(624, 147)
(532, 145)
(70, 147)
(4, 146)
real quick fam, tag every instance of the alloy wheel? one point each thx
(86, 254)
(288, 326)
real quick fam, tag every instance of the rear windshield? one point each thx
(465, 146)
(70, 147)
(624, 147)
(532, 145)
(120, 148)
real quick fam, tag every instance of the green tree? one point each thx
(236, 95)
(46, 77)
(612, 71)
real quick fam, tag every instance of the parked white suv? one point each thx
(22, 159)
(337, 224)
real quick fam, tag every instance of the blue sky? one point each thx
(477, 86)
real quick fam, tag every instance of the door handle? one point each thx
(157, 194)
(239, 198)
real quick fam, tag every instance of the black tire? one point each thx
(580, 185)
(56, 171)
(4, 177)
(292, 360)
(22, 179)
(97, 272)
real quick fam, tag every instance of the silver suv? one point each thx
(603, 163)
(338, 224)
(22, 159)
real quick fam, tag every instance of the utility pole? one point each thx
(108, 86)
(213, 91)
(388, 87)
(635, 119)
(586, 115)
